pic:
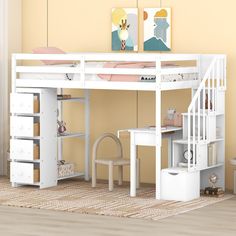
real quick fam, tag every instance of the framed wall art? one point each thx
(157, 29)
(125, 29)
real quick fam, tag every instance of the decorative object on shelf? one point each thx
(186, 157)
(212, 158)
(213, 190)
(61, 127)
(170, 113)
(173, 118)
(125, 29)
(157, 29)
(65, 169)
(213, 180)
(206, 102)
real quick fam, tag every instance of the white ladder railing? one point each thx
(203, 103)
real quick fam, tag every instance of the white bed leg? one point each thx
(132, 166)
(158, 128)
(60, 117)
(87, 133)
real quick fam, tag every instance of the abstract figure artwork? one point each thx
(125, 29)
(157, 29)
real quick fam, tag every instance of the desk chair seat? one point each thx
(118, 161)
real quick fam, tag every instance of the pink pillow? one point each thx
(51, 50)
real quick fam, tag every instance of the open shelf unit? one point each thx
(66, 135)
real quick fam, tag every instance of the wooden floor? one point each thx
(217, 219)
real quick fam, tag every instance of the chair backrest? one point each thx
(114, 138)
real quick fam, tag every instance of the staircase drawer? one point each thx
(24, 103)
(179, 185)
(24, 127)
(24, 173)
(24, 150)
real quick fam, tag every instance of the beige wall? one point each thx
(77, 25)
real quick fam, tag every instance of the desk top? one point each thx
(165, 129)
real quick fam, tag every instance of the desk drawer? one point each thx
(24, 173)
(145, 139)
(24, 127)
(24, 150)
(24, 103)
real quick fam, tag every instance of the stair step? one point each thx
(185, 141)
(210, 113)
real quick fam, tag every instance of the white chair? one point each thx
(118, 161)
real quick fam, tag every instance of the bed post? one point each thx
(13, 73)
(87, 133)
(60, 118)
(13, 89)
(158, 127)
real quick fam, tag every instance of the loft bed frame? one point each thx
(210, 70)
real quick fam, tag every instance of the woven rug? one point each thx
(77, 196)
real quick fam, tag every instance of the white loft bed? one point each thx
(199, 67)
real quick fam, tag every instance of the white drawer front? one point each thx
(22, 126)
(22, 149)
(146, 139)
(22, 173)
(22, 103)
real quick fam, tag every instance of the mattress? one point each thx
(94, 77)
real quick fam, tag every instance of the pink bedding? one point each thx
(125, 78)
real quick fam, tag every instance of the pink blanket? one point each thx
(126, 78)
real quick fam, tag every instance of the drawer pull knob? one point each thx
(171, 173)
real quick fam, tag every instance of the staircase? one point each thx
(200, 153)
(203, 124)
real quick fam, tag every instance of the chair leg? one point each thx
(94, 174)
(137, 173)
(120, 175)
(110, 176)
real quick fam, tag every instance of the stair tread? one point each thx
(201, 113)
(185, 141)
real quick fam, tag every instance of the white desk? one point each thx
(147, 137)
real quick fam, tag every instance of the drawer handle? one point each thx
(171, 173)
(21, 127)
(21, 174)
(21, 151)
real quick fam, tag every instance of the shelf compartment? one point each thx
(180, 146)
(76, 174)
